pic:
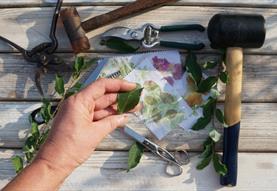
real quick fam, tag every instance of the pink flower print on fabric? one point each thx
(160, 64)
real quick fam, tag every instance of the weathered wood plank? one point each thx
(17, 77)
(258, 129)
(246, 3)
(106, 171)
(32, 24)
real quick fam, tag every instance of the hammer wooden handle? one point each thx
(232, 110)
(125, 11)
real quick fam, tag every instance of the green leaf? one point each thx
(59, 85)
(73, 90)
(43, 137)
(34, 130)
(201, 123)
(219, 167)
(207, 84)
(135, 154)
(119, 45)
(78, 66)
(45, 111)
(207, 151)
(219, 116)
(214, 135)
(128, 100)
(17, 162)
(210, 64)
(223, 76)
(193, 68)
(208, 141)
(208, 107)
(204, 162)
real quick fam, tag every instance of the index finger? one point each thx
(104, 85)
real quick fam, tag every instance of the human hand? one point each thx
(82, 122)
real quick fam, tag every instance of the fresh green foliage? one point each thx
(128, 100)
(45, 111)
(201, 123)
(193, 68)
(17, 162)
(210, 65)
(119, 45)
(210, 111)
(219, 116)
(219, 167)
(207, 84)
(204, 162)
(135, 154)
(215, 135)
(223, 76)
(73, 90)
(59, 85)
(38, 135)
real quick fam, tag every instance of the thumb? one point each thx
(105, 126)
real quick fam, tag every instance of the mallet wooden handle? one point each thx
(232, 111)
(125, 11)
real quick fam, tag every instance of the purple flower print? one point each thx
(169, 80)
(177, 72)
(160, 64)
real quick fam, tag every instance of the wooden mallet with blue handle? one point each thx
(234, 32)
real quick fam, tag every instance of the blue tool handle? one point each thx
(172, 28)
(182, 45)
(230, 155)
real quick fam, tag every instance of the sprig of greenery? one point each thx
(210, 111)
(38, 135)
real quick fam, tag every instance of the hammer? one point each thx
(76, 30)
(234, 32)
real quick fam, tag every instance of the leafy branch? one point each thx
(210, 110)
(38, 135)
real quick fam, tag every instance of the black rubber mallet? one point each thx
(234, 32)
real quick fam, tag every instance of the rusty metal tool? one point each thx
(76, 30)
(42, 54)
(234, 32)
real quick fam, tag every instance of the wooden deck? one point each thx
(27, 22)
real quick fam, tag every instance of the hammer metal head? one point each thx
(236, 30)
(73, 27)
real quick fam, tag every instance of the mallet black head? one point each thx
(236, 30)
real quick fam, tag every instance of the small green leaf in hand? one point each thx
(135, 154)
(223, 76)
(207, 84)
(73, 90)
(193, 68)
(201, 123)
(119, 45)
(126, 101)
(17, 162)
(59, 85)
(214, 135)
(219, 167)
(34, 130)
(79, 64)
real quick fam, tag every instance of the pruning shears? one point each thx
(149, 35)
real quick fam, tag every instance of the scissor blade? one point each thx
(139, 138)
(95, 73)
(124, 33)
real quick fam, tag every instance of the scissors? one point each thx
(160, 152)
(149, 35)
